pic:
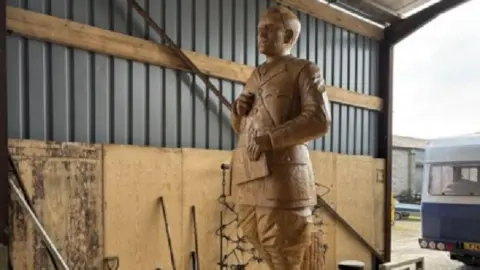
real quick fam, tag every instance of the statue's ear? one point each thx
(288, 38)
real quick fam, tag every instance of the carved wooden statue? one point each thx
(283, 106)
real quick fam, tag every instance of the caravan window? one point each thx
(454, 179)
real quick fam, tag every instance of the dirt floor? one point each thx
(405, 246)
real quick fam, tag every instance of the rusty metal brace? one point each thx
(179, 53)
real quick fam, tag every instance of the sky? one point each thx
(436, 81)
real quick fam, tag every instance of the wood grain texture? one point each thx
(202, 185)
(379, 207)
(349, 184)
(325, 168)
(68, 33)
(65, 184)
(135, 178)
(355, 203)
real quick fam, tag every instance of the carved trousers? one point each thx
(280, 235)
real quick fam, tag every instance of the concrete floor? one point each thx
(405, 246)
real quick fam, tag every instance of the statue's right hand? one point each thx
(244, 103)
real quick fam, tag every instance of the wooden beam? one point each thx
(335, 16)
(72, 34)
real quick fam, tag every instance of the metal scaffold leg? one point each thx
(238, 242)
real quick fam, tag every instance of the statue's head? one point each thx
(278, 31)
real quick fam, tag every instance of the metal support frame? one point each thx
(4, 185)
(402, 29)
(384, 146)
(392, 35)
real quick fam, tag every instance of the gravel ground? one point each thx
(405, 246)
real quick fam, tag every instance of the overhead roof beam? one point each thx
(335, 16)
(402, 29)
(369, 10)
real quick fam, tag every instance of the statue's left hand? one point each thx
(259, 145)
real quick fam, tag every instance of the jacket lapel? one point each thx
(274, 71)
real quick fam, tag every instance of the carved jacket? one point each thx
(290, 107)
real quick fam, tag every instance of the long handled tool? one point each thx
(19, 190)
(193, 256)
(220, 262)
(167, 229)
(196, 261)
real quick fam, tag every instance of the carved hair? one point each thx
(289, 20)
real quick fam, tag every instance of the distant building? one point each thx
(407, 164)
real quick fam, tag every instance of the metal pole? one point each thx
(384, 141)
(195, 235)
(169, 239)
(23, 190)
(221, 241)
(4, 187)
(38, 226)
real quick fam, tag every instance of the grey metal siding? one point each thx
(420, 156)
(65, 94)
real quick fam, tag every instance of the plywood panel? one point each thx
(64, 181)
(202, 185)
(355, 200)
(379, 209)
(135, 178)
(324, 166)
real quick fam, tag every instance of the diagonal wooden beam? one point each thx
(72, 34)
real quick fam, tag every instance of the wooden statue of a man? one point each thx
(283, 106)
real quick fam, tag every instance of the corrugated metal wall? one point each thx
(65, 94)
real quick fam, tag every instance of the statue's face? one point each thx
(271, 36)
